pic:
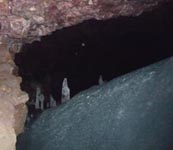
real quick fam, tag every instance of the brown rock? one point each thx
(7, 137)
(27, 20)
(20, 117)
(12, 102)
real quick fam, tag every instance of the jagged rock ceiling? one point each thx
(27, 20)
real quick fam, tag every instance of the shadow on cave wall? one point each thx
(108, 48)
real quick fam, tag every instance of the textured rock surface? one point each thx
(11, 97)
(27, 20)
(133, 112)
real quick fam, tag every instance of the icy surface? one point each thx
(133, 112)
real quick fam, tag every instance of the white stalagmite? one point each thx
(100, 81)
(42, 102)
(39, 102)
(65, 94)
(52, 102)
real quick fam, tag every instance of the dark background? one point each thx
(112, 48)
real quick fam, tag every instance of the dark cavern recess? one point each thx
(92, 50)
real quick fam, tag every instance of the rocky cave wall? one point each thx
(12, 102)
(26, 21)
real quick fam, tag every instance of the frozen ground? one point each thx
(132, 112)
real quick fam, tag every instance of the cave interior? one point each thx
(84, 52)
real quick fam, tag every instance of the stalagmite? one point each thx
(42, 102)
(100, 81)
(65, 91)
(39, 102)
(52, 102)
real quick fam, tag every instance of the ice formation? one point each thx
(132, 112)
(100, 81)
(52, 102)
(39, 102)
(65, 91)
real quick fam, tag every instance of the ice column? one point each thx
(39, 103)
(52, 102)
(65, 94)
(100, 81)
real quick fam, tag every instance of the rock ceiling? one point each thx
(27, 20)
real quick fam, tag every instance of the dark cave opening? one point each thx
(83, 52)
